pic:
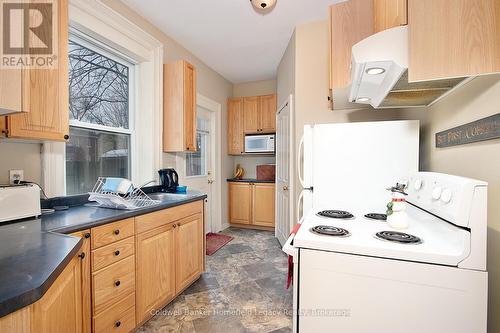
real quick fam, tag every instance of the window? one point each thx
(196, 163)
(100, 115)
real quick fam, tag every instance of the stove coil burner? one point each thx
(330, 231)
(376, 216)
(398, 237)
(336, 214)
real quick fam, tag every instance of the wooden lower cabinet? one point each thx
(119, 318)
(155, 266)
(84, 256)
(60, 309)
(189, 251)
(252, 204)
(263, 204)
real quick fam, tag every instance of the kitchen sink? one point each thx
(167, 196)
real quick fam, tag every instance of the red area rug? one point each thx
(216, 241)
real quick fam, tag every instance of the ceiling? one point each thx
(228, 35)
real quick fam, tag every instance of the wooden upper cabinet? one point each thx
(240, 203)
(189, 251)
(155, 270)
(45, 94)
(453, 38)
(268, 113)
(251, 106)
(350, 22)
(263, 204)
(60, 309)
(179, 107)
(235, 127)
(389, 14)
(10, 90)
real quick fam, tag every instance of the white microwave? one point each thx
(259, 143)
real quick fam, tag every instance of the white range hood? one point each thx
(379, 73)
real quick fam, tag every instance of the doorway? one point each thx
(284, 170)
(201, 169)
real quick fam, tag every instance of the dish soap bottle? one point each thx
(397, 217)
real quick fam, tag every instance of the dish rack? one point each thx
(135, 198)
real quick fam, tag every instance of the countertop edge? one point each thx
(128, 214)
(32, 296)
(233, 180)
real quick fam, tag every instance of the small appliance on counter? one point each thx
(266, 172)
(169, 180)
(263, 144)
(19, 202)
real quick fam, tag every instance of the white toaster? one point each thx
(19, 202)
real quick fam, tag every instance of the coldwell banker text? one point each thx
(479, 130)
(29, 34)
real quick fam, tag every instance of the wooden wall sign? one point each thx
(480, 130)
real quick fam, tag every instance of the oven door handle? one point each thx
(289, 249)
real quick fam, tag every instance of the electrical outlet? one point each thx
(16, 175)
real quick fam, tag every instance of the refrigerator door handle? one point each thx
(299, 154)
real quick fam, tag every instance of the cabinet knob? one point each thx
(66, 137)
(81, 255)
(175, 225)
(117, 232)
(117, 283)
(118, 323)
(87, 235)
(117, 253)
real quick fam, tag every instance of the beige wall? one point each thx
(285, 80)
(254, 88)
(20, 155)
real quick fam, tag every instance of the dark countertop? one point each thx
(249, 180)
(34, 252)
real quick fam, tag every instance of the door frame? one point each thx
(291, 162)
(216, 127)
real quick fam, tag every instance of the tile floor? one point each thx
(242, 290)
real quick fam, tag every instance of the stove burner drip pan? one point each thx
(330, 231)
(336, 214)
(398, 237)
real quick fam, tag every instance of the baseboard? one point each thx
(251, 226)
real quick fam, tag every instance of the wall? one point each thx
(20, 155)
(285, 80)
(477, 160)
(254, 88)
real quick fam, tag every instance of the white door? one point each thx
(198, 167)
(284, 171)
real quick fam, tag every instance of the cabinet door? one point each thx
(86, 289)
(350, 21)
(189, 107)
(268, 113)
(155, 274)
(188, 251)
(460, 38)
(60, 309)
(240, 203)
(389, 14)
(251, 106)
(263, 204)
(235, 127)
(45, 94)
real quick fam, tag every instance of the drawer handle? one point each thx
(117, 231)
(87, 235)
(82, 255)
(117, 253)
(117, 283)
(118, 323)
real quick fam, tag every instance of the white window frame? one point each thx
(99, 22)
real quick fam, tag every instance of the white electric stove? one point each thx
(356, 274)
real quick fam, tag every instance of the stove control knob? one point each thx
(446, 195)
(417, 185)
(436, 193)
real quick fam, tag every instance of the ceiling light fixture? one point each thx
(375, 71)
(363, 99)
(263, 5)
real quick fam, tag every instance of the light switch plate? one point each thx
(16, 175)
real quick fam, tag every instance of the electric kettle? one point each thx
(169, 180)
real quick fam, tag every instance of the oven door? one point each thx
(259, 144)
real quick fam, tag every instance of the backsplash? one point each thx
(20, 156)
(249, 163)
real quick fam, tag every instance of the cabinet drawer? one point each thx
(157, 219)
(120, 318)
(109, 233)
(112, 253)
(112, 283)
